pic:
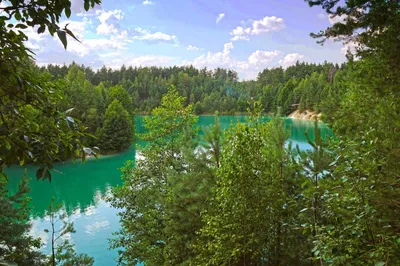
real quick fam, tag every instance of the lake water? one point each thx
(83, 188)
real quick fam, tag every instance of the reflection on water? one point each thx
(83, 188)
(94, 225)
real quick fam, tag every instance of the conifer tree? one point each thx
(117, 131)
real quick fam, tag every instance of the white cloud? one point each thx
(111, 54)
(156, 37)
(321, 16)
(90, 210)
(109, 21)
(262, 58)
(349, 47)
(227, 47)
(265, 25)
(337, 19)
(150, 60)
(220, 17)
(35, 40)
(344, 18)
(92, 229)
(240, 33)
(193, 48)
(49, 49)
(87, 46)
(114, 42)
(214, 59)
(148, 2)
(144, 60)
(290, 59)
(247, 69)
(242, 65)
(58, 56)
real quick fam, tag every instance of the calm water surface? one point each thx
(83, 188)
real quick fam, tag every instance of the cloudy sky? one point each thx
(245, 35)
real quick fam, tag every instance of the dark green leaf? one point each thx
(63, 37)
(71, 34)
(17, 15)
(67, 12)
(41, 29)
(21, 26)
(39, 173)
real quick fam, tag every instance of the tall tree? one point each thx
(117, 131)
(246, 223)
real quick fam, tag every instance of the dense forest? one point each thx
(240, 197)
(300, 86)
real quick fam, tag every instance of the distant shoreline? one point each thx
(305, 115)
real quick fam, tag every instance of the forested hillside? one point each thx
(302, 86)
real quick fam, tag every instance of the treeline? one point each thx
(301, 86)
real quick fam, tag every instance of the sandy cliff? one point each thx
(306, 115)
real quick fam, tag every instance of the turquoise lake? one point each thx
(83, 188)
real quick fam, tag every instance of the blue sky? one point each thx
(245, 35)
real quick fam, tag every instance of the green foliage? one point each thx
(164, 193)
(360, 200)
(32, 126)
(120, 94)
(89, 105)
(167, 122)
(248, 222)
(117, 131)
(16, 246)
